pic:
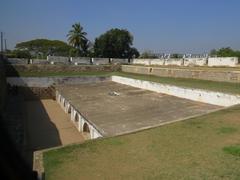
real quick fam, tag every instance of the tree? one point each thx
(148, 55)
(44, 47)
(18, 54)
(77, 38)
(225, 52)
(115, 43)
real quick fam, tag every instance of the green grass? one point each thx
(227, 130)
(233, 150)
(191, 149)
(226, 87)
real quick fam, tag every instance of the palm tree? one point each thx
(76, 36)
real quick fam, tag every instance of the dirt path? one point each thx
(48, 126)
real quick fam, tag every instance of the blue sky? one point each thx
(180, 26)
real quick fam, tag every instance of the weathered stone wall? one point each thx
(80, 60)
(119, 61)
(44, 82)
(216, 61)
(39, 61)
(223, 61)
(58, 59)
(100, 61)
(13, 70)
(3, 86)
(195, 61)
(174, 62)
(210, 97)
(216, 75)
(142, 61)
(158, 62)
(17, 61)
(33, 93)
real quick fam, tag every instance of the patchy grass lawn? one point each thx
(205, 147)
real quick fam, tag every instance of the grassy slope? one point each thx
(192, 149)
(183, 82)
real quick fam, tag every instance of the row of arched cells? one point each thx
(68, 109)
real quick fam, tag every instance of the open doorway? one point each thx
(86, 131)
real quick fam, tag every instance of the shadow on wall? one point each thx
(25, 127)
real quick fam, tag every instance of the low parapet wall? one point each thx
(216, 61)
(100, 61)
(80, 60)
(119, 61)
(17, 61)
(210, 97)
(195, 61)
(216, 75)
(223, 61)
(174, 62)
(58, 60)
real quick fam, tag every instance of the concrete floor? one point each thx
(134, 109)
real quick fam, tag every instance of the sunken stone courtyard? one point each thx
(112, 119)
(110, 109)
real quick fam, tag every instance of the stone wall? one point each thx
(216, 75)
(119, 61)
(58, 60)
(39, 61)
(80, 60)
(17, 61)
(13, 70)
(34, 93)
(142, 61)
(159, 62)
(100, 61)
(44, 82)
(210, 97)
(174, 62)
(3, 86)
(217, 61)
(195, 61)
(223, 61)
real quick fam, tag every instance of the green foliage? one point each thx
(44, 47)
(175, 55)
(233, 150)
(148, 55)
(19, 54)
(225, 52)
(77, 39)
(115, 43)
(74, 52)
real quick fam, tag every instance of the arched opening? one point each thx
(64, 103)
(76, 119)
(86, 128)
(86, 131)
(69, 110)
